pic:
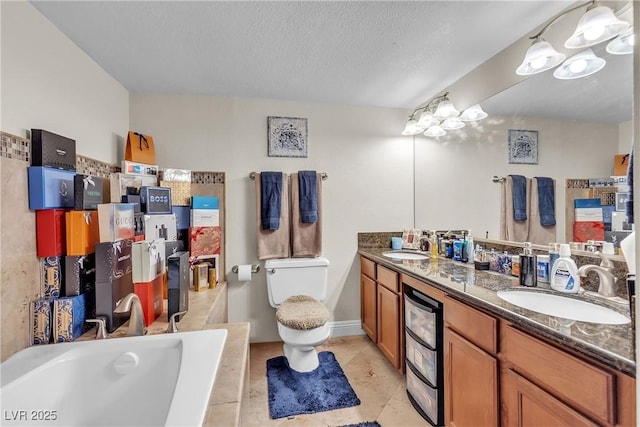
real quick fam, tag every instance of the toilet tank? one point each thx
(287, 277)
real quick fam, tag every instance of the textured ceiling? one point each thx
(386, 54)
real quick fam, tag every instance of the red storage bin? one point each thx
(50, 233)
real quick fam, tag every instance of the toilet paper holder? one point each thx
(254, 269)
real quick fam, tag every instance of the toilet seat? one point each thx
(302, 312)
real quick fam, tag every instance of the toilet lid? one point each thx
(302, 312)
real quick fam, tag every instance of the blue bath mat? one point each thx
(324, 389)
(364, 424)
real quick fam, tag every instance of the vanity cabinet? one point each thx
(368, 298)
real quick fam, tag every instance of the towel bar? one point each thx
(254, 269)
(499, 179)
(324, 176)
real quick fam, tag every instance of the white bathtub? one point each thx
(154, 380)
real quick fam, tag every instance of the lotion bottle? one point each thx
(564, 273)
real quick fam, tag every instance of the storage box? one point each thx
(204, 202)
(621, 201)
(148, 259)
(588, 214)
(82, 232)
(40, 316)
(586, 203)
(176, 175)
(619, 222)
(180, 192)
(584, 231)
(51, 239)
(205, 217)
(133, 168)
(52, 275)
(50, 149)
(204, 241)
(80, 278)
(121, 181)
(620, 164)
(155, 200)
(69, 315)
(107, 295)
(183, 216)
(116, 221)
(178, 283)
(89, 192)
(135, 200)
(50, 188)
(160, 227)
(150, 294)
(138, 224)
(113, 260)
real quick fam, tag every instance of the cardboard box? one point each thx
(204, 202)
(138, 224)
(587, 203)
(69, 315)
(121, 181)
(588, 214)
(205, 217)
(201, 276)
(619, 222)
(52, 275)
(50, 149)
(150, 294)
(133, 168)
(183, 216)
(620, 164)
(51, 239)
(107, 295)
(616, 237)
(148, 259)
(40, 316)
(50, 188)
(155, 200)
(133, 199)
(178, 283)
(621, 201)
(116, 221)
(89, 192)
(585, 231)
(113, 260)
(82, 231)
(180, 192)
(160, 227)
(204, 241)
(80, 278)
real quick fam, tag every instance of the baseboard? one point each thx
(345, 328)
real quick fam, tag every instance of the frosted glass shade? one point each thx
(435, 130)
(473, 113)
(623, 44)
(445, 110)
(541, 56)
(412, 128)
(452, 124)
(596, 25)
(581, 64)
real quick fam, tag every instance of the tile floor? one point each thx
(380, 387)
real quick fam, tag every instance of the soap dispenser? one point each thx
(528, 267)
(564, 273)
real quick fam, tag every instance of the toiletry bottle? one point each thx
(434, 245)
(528, 267)
(543, 268)
(457, 249)
(464, 252)
(554, 254)
(564, 274)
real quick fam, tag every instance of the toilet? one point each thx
(297, 287)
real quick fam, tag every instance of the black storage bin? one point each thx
(49, 149)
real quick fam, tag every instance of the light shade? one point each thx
(452, 123)
(540, 57)
(426, 119)
(412, 128)
(445, 110)
(473, 113)
(434, 130)
(623, 44)
(581, 64)
(596, 25)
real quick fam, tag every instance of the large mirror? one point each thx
(582, 124)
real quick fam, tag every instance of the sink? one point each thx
(564, 307)
(404, 255)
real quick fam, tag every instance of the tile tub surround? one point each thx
(612, 345)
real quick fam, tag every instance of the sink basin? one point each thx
(566, 308)
(404, 255)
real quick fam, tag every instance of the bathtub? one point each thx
(153, 380)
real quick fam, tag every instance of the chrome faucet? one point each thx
(131, 303)
(608, 285)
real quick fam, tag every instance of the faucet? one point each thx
(608, 285)
(101, 330)
(131, 303)
(172, 322)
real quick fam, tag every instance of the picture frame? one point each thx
(411, 238)
(523, 146)
(287, 136)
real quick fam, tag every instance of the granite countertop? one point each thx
(612, 345)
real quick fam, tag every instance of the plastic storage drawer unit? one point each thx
(425, 396)
(422, 358)
(420, 322)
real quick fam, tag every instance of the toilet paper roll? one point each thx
(244, 272)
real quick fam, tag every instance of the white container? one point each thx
(421, 322)
(543, 268)
(422, 358)
(564, 274)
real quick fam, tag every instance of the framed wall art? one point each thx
(287, 136)
(523, 146)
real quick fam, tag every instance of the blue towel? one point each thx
(308, 188)
(546, 201)
(629, 202)
(519, 195)
(270, 199)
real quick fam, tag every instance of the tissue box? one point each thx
(107, 295)
(120, 181)
(133, 168)
(113, 260)
(50, 188)
(155, 200)
(150, 294)
(204, 241)
(205, 217)
(178, 283)
(588, 230)
(49, 149)
(52, 275)
(160, 227)
(89, 192)
(82, 232)
(183, 218)
(40, 316)
(148, 259)
(69, 315)
(116, 221)
(50, 233)
(204, 202)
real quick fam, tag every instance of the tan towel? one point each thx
(306, 237)
(539, 234)
(517, 231)
(274, 243)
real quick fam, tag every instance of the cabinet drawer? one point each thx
(421, 322)
(388, 278)
(587, 387)
(426, 397)
(422, 358)
(368, 268)
(477, 327)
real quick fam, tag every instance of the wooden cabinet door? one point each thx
(368, 312)
(526, 404)
(470, 383)
(389, 325)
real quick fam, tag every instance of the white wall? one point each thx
(625, 137)
(49, 83)
(369, 187)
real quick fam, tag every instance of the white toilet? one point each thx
(297, 287)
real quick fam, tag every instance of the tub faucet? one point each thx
(608, 285)
(131, 303)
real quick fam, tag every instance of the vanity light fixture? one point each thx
(412, 127)
(581, 64)
(623, 44)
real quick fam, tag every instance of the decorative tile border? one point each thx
(15, 147)
(198, 177)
